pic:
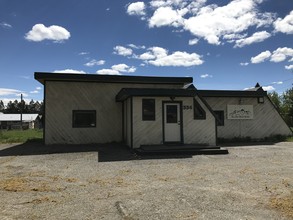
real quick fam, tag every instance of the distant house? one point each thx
(13, 121)
(140, 110)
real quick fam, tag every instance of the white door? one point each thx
(172, 123)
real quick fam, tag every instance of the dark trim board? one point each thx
(42, 76)
(231, 93)
(131, 122)
(129, 92)
(44, 116)
(123, 122)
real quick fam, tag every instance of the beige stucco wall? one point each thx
(151, 132)
(266, 120)
(63, 97)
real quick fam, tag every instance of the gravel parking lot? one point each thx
(109, 182)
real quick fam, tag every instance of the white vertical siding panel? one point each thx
(198, 131)
(266, 120)
(151, 132)
(63, 97)
(147, 132)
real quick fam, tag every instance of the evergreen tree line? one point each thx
(284, 104)
(14, 107)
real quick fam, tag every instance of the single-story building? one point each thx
(13, 121)
(145, 110)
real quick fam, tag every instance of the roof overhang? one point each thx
(42, 77)
(125, 93)
(231, 93)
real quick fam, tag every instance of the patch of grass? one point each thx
(20, 136)
(289, 139)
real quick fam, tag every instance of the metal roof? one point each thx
(16, 117)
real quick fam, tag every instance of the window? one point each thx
(172, 114)
(148, 110)
(220, 117)
(198, 111)
(260, 100)
(83, 118)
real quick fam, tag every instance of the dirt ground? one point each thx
(110, 182)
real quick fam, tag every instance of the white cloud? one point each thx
(124, 68)
(38, 88)
(278, 83)
(177, 3)
(69, 71)
(147, 56)
(178, 58)
(6, 92)
(213, 22)
(285, 25)
(117, 69)
(123, 51)
(159, 56)
(261, 57)
(289, 67)
(34, 92)
(255, 38)
(40, 32)
(136, 8)
(136, 46)
(165, 16)
(108, 72)
(5, 25)
(268, 88)
(281, 54)
(193, 41)
(206, 76)
(83, 53)
(216, 24)
(248, 88)
(244, 64)
(95, 63)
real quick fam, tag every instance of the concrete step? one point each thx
(194, 151)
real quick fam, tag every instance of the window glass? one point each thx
(84, 118)
(220, 116)
(199, 112)
(148, 109)
(172, 114)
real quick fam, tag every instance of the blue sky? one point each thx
(221, 44)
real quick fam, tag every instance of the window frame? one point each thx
(74, 123)
(220, 114)
(260, 100)
(197, 106)
(151, 117)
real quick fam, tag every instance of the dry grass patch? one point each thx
(25, 184)
(41, 200)
(34, 181)
(283, 204)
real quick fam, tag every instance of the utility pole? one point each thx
(21, 111)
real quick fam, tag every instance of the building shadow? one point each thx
(106, 152)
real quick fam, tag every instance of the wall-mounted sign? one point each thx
(240, 111)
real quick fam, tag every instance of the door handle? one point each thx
(178, 122)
